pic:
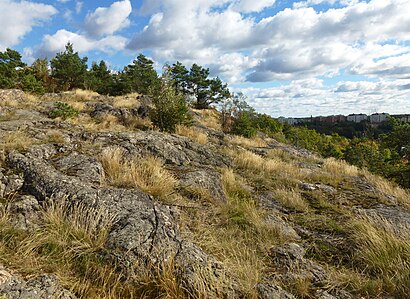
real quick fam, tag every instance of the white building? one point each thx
(356, 117)
(378, 118)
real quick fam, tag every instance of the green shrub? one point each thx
(64, 111)
(170, 108)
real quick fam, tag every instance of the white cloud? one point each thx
(108, 20)
(56, 43)
(78, 6)
(248, 6)
(18, 19)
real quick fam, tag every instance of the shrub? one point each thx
(64, 111)
(170, 108)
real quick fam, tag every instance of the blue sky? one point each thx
(291, 58)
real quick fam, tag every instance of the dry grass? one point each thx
(247, 142)
(291, 199)
(54, 136)
(128, 101)
(85, 95)
(255, 163)
(135, 122)
(106, 123)
(147, 174)
(280, 154)
(383, 255)
(387, 187)
(192, 133)
(209, 118)
(66, 244)
(18, 140)
(339, 168)
(237, 233)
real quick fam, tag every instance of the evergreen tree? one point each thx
(99, 78)
(68, 69)
(141, 74)
(10, 62)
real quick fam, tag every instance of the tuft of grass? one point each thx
(147, 174)
(209, 118)
(17, 140)
(128, 101)
(383, 255)
(339, 167)
(247, 142)
(54, 136)
(192, 133)
(291, 199)
(387, 187)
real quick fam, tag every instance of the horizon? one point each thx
(291, 58)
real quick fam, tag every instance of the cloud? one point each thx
(248, 6)
(19, 18)
(78, 6)
(56, 43)
(107, 20)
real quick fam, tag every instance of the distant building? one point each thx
(403, 117)
(288, 120)
(378, 118)
(357, 118)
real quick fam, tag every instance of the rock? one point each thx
(287, 254)
(43, 151)
(12, 95)
(172, 149)
(271, 291)
(205, 179)
(84, 167)
(12, 183)
(317, 186)
(144, 231)
(41, 287)
(25, 212)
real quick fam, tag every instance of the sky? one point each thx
(291, 58)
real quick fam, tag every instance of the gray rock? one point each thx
(172, 149)
(144, 231)
(41, 287)
(84, 167)
(206, 179)
(25, 212)
(13, 183)
(317, 186)
(43, 151)
(272, 291)
(287, 253)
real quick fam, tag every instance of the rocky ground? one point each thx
(102, 206)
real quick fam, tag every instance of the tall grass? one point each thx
(148, 174)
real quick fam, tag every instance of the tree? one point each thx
(68, 69)
(99, 78)
(10, 62)
(141, 74)
(178, 74)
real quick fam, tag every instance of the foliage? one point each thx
(141, 75)
(170, 108)
(64, 111)
(68, 69)
(99, 78)
(10, 61)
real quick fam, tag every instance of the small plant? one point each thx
(64, 111)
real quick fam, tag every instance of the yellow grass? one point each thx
(17, 140)
(247, 142)
(147, 174)
(339, 168)
(128, 101)
(54, 136)
(192, 133)
(384, 254)
(209, 118)
(291, 199)
(106, 123)
(386, 187)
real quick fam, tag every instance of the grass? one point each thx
(237, 233)
(339, 168)
(291, 198)
(192, 133)
(209, 118)
(128, 101)
(247, 142)
(17, 140)
(386, 187)
(148, 174)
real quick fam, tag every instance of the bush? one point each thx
(170, 108)
(64, 111)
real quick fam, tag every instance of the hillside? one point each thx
(101, 205)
